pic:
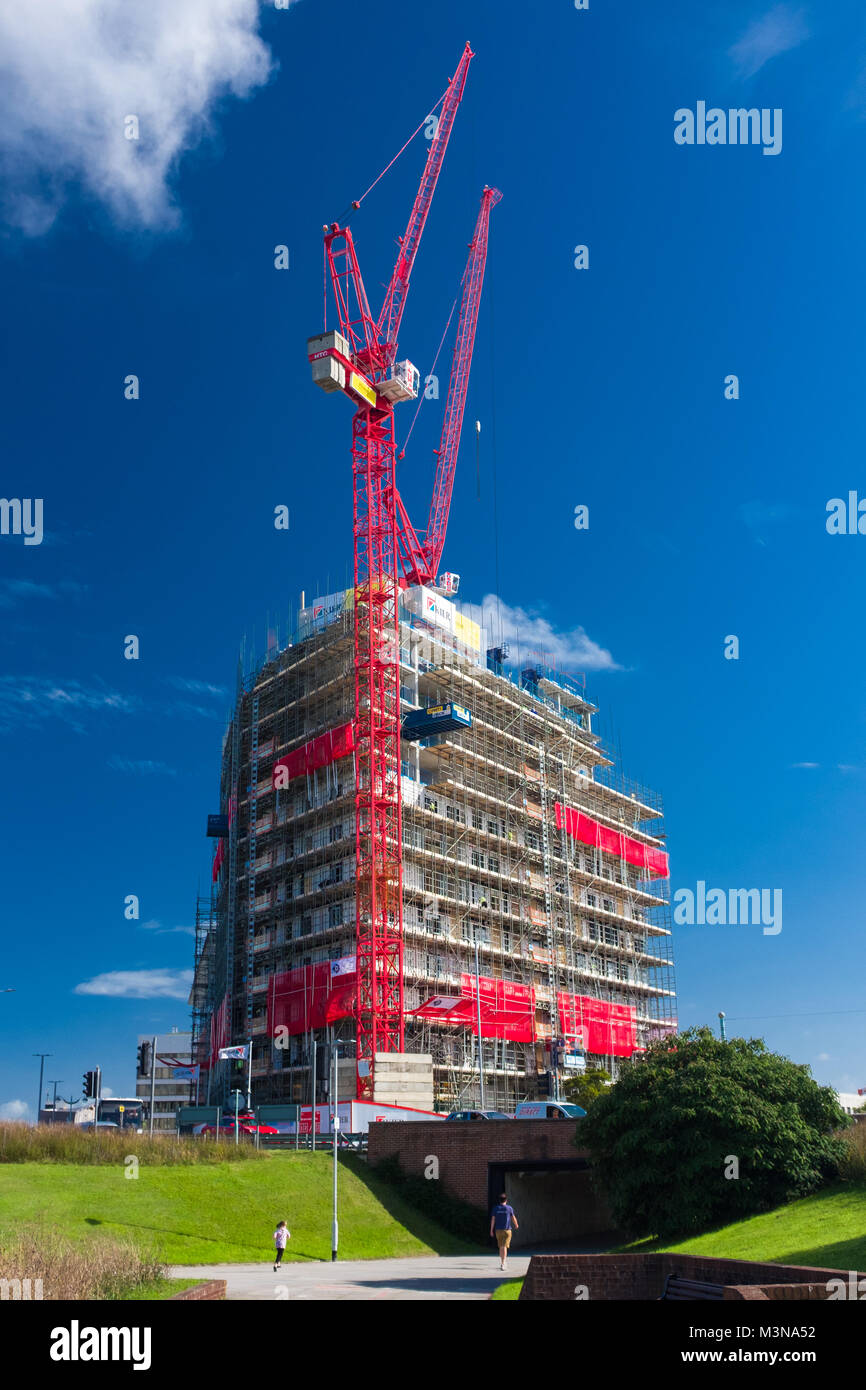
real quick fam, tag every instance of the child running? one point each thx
(281, 1235)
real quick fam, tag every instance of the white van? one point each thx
(548, 1110)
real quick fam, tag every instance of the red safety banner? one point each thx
(448, 1008)
(312, 995)
(507, 1009)
(218, 1030)
(589, 832)
(316, 753)
(217, 861)
(601, 1027)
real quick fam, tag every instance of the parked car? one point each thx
(245, 1127)
(548, 1110)
(478, 1115)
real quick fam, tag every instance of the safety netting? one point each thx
(595, 1025)
(582, 827)
(312, 996)
(315, 753)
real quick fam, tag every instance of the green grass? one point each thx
(827, 1229)
(508, 1292)
(221, 1214)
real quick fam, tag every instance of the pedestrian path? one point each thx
(423, 1277)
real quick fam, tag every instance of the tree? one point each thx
(586, 1086)
(701, 1132)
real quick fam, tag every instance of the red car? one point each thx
(246, 1127)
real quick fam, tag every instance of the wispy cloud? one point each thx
(196, 687)
(15, 591)
(779, 30)
(139, 984)
(69, 83)
(805, 764)
(527, 628)
(28, 700)
(141, 767)
(761, 518)
(160, 930)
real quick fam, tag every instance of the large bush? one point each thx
(669, 1139)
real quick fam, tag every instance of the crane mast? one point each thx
(359, 359)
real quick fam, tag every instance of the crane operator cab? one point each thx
(402, 383)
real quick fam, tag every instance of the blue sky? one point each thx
(603, 387)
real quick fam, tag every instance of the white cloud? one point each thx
(534, 635)
(71, 72)
(14, 591)
(143, 767)
(139, 984)
(14, 1110)
(805, 764)
(28, 699)
(196, 687)
(156, 926)
(779, 30)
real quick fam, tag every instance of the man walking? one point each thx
(502, 1220)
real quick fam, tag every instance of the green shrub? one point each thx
(665, 1137)
(853, 1164)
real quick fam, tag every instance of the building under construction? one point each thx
(534, 880)
(425, 856)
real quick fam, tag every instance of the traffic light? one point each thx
(89, 1085)
(144, 1059)
(544, 1084)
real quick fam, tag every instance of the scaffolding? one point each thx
(484, 859)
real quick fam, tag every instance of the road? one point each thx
(424, 1277)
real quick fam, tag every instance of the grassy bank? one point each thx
(72, 1144)
(202, 1214)
(827, 1229)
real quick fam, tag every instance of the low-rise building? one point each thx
(174, 1082)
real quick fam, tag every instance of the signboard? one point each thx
(467, 631)
(363, 388)
(191, 1117)
(574, 1061)
(217, 826)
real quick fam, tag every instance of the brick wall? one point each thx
(643, 1276)
(212, 1289)
(465, 1148)
(559, 1204)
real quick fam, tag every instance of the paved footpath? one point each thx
(425, 1277)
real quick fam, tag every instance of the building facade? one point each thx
(534, 877)
(173, 1086)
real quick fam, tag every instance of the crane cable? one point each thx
(423, 396)
(360, 200)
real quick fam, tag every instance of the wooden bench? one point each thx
(680, 1290)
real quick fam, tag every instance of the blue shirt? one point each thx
(502, 1216)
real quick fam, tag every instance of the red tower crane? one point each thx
(360, 359)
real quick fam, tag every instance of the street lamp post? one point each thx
(335, 1122)
(41, 1056)
(478, 1011)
